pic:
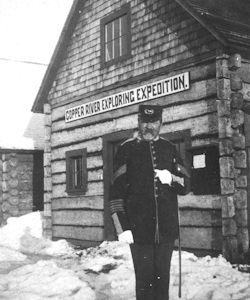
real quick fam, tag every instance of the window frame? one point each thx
(70, 155)
(125, 10)
(185, 136)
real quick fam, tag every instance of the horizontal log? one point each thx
(209, 121)
(59, 178)
(170, 114)
(199, 90)
(200, 201)
(201, 238)
(81, 202)
(78, 217)
(80, 244)
(93, 145)
(95, 175)
(93, 189)
(92, 162)
(204, 141)
(206, 218)
(79, 233)
(207, 124)
(97, 130)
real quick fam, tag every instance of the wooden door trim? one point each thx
(108, 139)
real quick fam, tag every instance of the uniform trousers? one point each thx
(152, 270)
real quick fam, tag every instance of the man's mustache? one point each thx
(148, 130)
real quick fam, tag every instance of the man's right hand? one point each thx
(164, 176)
(126, 237)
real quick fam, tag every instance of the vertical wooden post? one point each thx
(233, 161)
(247, 133)
(225, 132)
(47, 222)
(1, 189)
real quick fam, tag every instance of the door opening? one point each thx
(110, 145)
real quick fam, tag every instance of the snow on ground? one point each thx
(34, 268)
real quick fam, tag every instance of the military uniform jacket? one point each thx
(139, 201)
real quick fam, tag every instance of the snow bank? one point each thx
(204, 278)
(7, 254)
(104, 272)
(44, 280)
(25, 234)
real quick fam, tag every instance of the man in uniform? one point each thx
(149, 174)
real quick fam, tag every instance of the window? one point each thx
(205, 170)
(116, 36)
(76, 171)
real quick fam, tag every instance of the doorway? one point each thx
(110, 145)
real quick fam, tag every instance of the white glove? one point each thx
(126, 237)
(164, 176)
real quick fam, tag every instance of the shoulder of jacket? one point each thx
(167, 142)
(128, 142)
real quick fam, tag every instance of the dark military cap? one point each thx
(150, 113)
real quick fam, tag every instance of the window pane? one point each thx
(116, 28)
(124, 46)
(109, 51)
(77, 172)
(117, 47)
(123, 21)
(108, 32)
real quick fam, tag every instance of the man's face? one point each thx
(149, 130)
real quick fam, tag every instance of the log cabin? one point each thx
(189, 56)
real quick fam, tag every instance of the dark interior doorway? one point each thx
(38, 177)
(110, 145)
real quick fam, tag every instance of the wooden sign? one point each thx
(164, 87)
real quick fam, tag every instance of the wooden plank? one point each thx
(78, 134)
(93, 145)
(78, 218)
(59, 178)
(206, 218)
(93, 189)
(95, 175)
(201, 238)
(205, 141)
(199, 90)
(79, 233)
(79, 244)
(60, 165)
(200, 201)
(170, 114)
(80, 202)
(207, 124)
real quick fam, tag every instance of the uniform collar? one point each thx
(140, 139)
